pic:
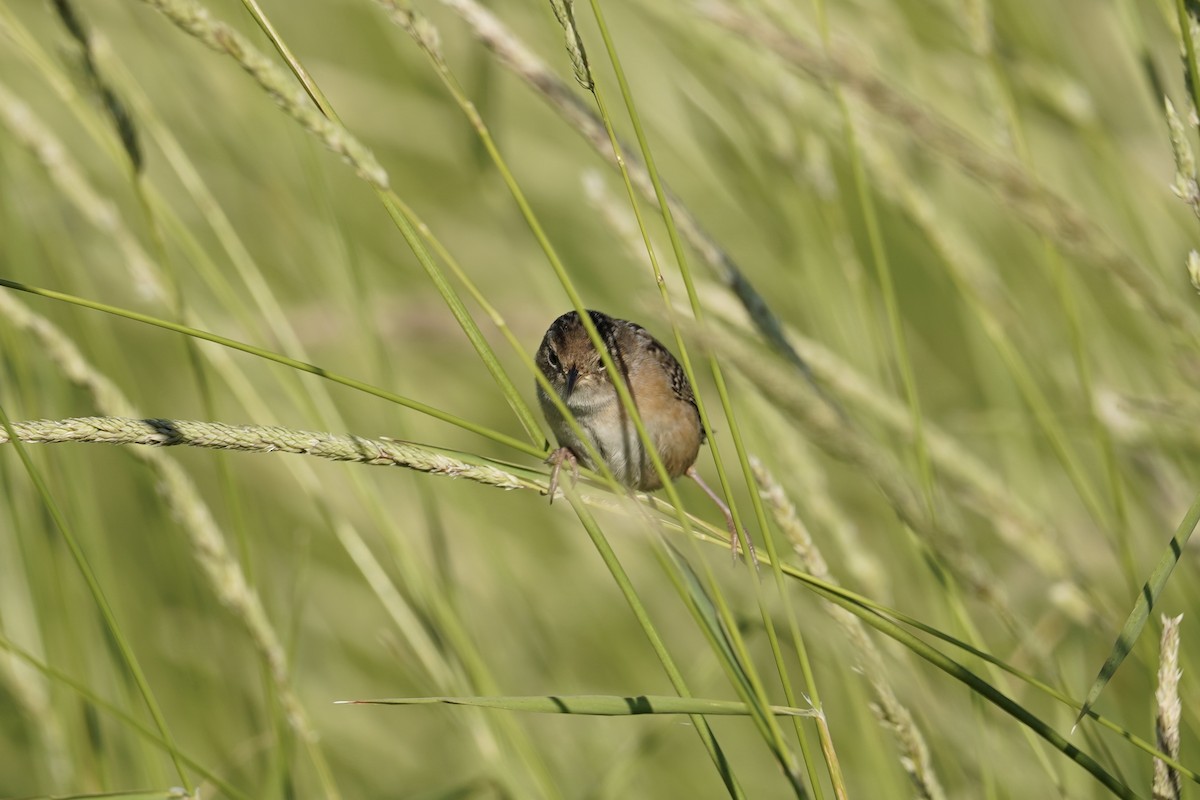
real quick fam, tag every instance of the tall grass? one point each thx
(924, 263)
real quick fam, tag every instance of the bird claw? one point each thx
(556, 459)
(735, 536)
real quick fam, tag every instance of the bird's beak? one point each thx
(572, 376)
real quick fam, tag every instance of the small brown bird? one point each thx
(660, 390)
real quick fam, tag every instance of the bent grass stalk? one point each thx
(128, 657)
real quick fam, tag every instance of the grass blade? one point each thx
(600, 705)
(107, 613)
(1146, 599)
(232, 344)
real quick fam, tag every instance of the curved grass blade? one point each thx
(1146, 599)
(600, 705)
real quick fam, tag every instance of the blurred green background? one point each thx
(1006, 166)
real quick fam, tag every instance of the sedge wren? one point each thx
(660, 390)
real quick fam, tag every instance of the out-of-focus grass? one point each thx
(1014, 497)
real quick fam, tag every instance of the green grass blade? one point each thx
(116, 713)
(1142, 607)
(771, 731)
(710, 621)
(593, 704)
(862, 607)
(324, 124)
(989, 693)
(639, 611)
(1189, 47)
(109, 616)
(709, 616)
(279, 359)
(166, 794)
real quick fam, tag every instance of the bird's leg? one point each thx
(556, 459)
(736, 536)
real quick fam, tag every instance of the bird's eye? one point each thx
(552, 357)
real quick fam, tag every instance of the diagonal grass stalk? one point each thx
(148, 734)
(664, 656)
(232, 344)
(718, 378)
(98, 597)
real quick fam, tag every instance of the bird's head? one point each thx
(571, 362)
